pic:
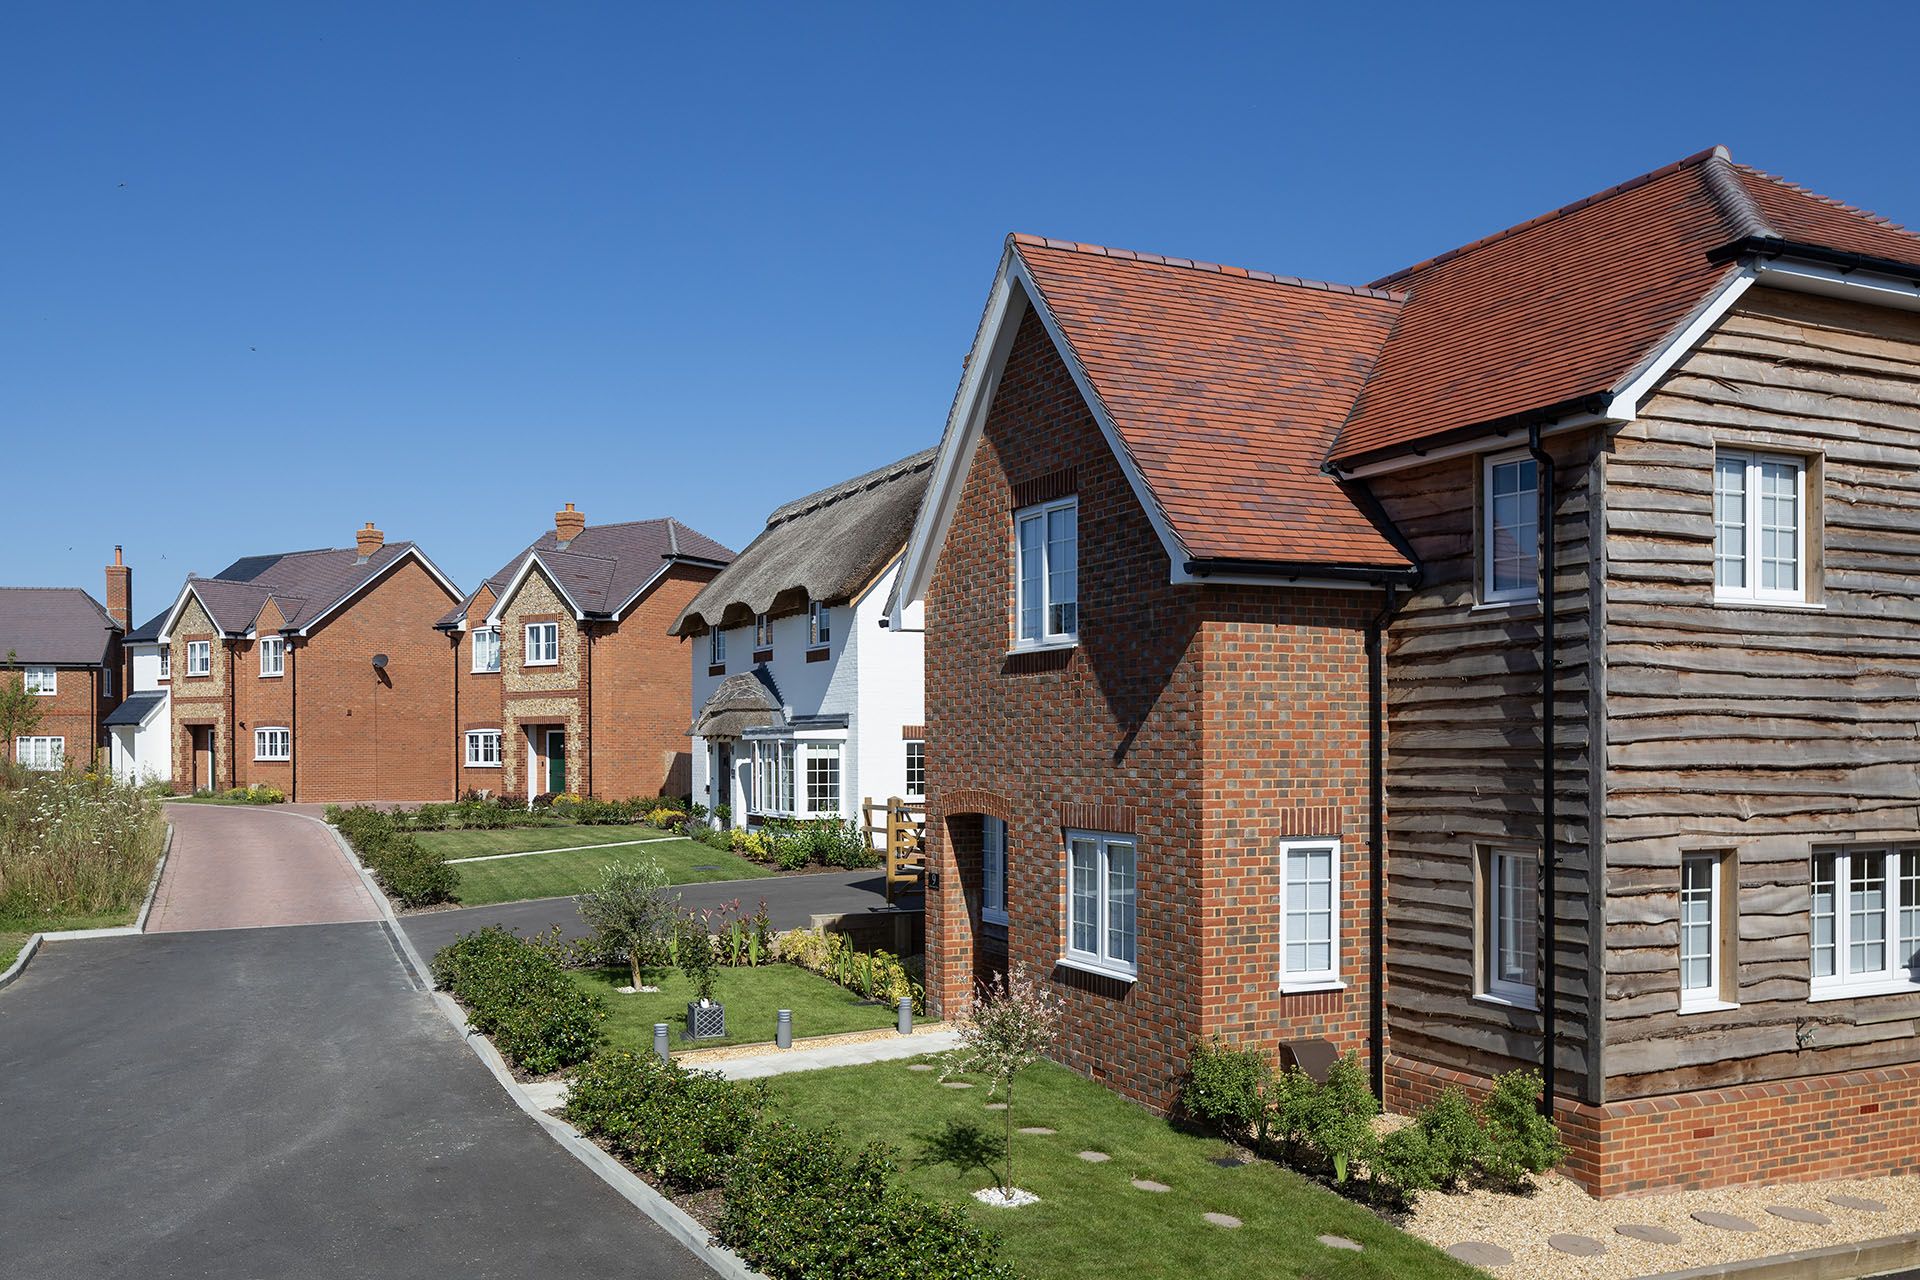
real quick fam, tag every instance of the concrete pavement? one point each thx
(235, 867)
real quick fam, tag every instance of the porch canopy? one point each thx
(744, 701)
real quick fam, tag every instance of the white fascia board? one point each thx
(173, 614)
(1624, 406)
(1855, 286)
(411, 553)
(496, 614)
(644, 588)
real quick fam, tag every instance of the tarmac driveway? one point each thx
(277, 1102)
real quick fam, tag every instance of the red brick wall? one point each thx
(642, 694)
(74, 712)
(478, 694)
(261, 702)
(1206, 720)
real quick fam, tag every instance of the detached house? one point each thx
(315, 672)
(1245, 717)
(807, 696)
(65, 652)
(564, 675)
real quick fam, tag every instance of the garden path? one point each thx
(238, 867)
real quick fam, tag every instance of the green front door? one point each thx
(556, 760)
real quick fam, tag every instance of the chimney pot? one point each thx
(369, 540)
(568, 524)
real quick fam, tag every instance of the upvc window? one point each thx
(916, 770)
(486, 649)
(1103, 928)
(773, 777)
(43, 753)
(1511, 533)
(993, 863)
(543, 644)
(272, 744)
(166, 663)
(1310, 920)
(1703, 902)
(199, 657)
(1047, 573)
(823, 778)
(1759, 526)
(1511, 915)
(43, 681)
(483, 749)
(106, 682)
(819, 624)
(1866, 921)
(273, 656)
(762, 631)
(717, 648)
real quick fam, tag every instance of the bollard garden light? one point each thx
(906, 1015)
(783, 1029)
(660, 1040)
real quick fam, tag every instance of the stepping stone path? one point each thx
(1229, 1162)
(997, 1106)
(1860, 1203)
(1148, 1184)
(1095, 1157)
(1226, 1220)
(1478, 1253)
(919, 1066)
(1648, 1232)
(956, 1084)
(1040, 1130)
(1794, 1213)
(1578, 1246)
(1340, 1242)
(1724, 1221)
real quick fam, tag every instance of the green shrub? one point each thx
(1518, 1138)
(408, 870)
(515, 990)
(680, 1127)
(1339, 1117)
(693, 953)
(1227, 1086)
(1406, 1161)
(1454, 1137)
(799, 1206)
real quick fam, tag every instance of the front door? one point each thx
(203, 757)
(723, 777)
(556, 760)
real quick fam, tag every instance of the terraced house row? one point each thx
(1510, 662)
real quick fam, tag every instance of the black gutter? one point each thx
(1595, 403)
(1377, 850)
(1544, 478)
(1378, 575)
(1770, 247)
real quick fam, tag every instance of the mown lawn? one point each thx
(15, 932)
(576, 869)
(480, 844)
(753, 998)
(10, 944)
(1091, 1222)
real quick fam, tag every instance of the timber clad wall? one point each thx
(1761, 731)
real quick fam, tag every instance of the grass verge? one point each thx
(1090, 1216)
(483, 844)
(15, 932)
(559, 875)
(753, 998)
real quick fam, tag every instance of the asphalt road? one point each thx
(280, 1102)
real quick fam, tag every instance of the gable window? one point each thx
(1102, 895)
(773, 777)
(43, 681)
(1511, 500)
(543, 644)
(1704, 912)
(716, 648)
(483, 749)
(916, 770)
(1759, 526)
(486, 649)
(1510, 919)
(762, 631)
(1047, 574)
(1310, 922)
(819, 624)
(823, 778)
(166, 664)
(43, 753)
(993, 862)
(1866, 921)
(272, 744)
(273, 656)
(199, 657)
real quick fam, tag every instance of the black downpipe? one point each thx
(1543, 471)
(1377, 851)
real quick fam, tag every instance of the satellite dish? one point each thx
(379, 662)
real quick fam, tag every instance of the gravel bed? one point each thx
(1521, 1224)
(702, 1057)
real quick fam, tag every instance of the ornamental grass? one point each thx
(73, 846)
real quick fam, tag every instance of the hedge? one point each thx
(516, 992)
(682, 1127)
(406, 868)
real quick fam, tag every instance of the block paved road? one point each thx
(236, 866)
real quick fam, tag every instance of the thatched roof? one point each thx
(827, 546)
(746, 700)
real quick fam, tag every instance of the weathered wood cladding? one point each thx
(1463, 771)
(1762, 731)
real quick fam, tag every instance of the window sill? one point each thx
(995, 917)
(1307, 988)
(1528, 604)
(1854, 991)
(548, 662)
(1053, 646)
(273, 759)
(1507, 1002)
(485, 671)
(1098, 969)
(1708, 1006)
(474, 764)
(272, 675)
(1752, 602)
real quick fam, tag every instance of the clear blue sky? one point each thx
(273, 270)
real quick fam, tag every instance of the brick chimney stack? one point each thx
(120, 592)
(369, 540)
(568, 524)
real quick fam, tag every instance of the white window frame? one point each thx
(1103, 958)
(993, 870)
(273, 656)
(916, 747)
(1899, 923)
(820, 753)
(267, 747)
(1494, 987)
(1750, 557)
(775, 762)
(480, 667)
(106, 682)
(1309, 979)
(716, 648)
(1710, 997)
(1044, 637)
(819, 625)
(43, 753)
(478, 755)
(536, 646)
(1489, 532)
(199, 657)
(166, 663)
(42, 682)
(762, 631)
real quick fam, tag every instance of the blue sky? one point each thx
(273, 271)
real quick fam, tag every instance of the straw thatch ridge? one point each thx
(744, 700)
